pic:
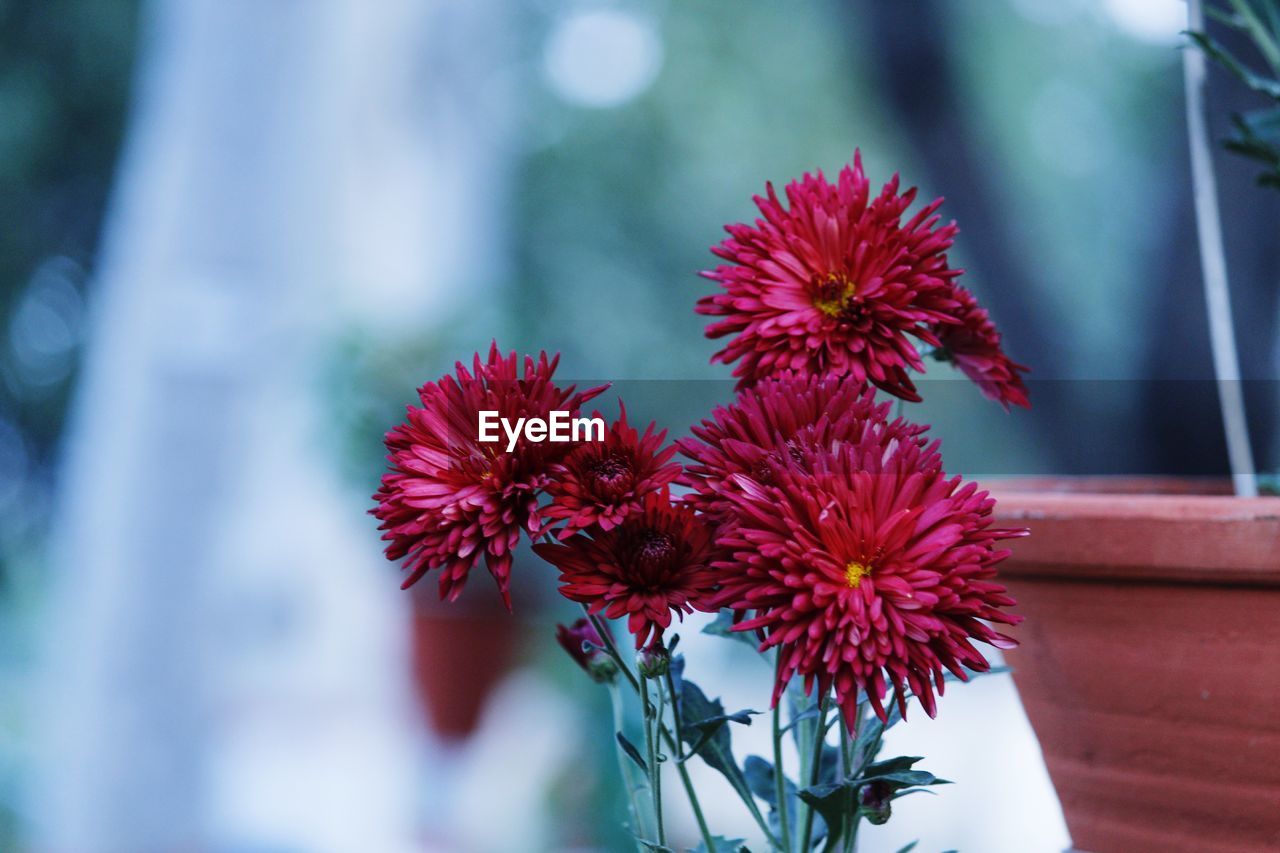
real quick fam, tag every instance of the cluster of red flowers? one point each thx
(827, 528)
(626, 548)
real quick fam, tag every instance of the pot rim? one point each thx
(1092, 529)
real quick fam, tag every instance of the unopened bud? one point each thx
(585, 645)
(874, 801)
(653, 660)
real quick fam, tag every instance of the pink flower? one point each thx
(448, 498)
(654, 563)
(602, 482)
(865, 566)
(745, 441)
(833, 284)
(974, 346)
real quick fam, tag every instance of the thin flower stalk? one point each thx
(671, 742)
(624, 764)
(694, 804)
(779, 778)
(815, 769)
(652, 722)
(1213, 265)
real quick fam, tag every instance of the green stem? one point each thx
(804, 739)
(673, 745)
(744, 796)
(1213, 267)
(707, 838)
(624, 765)
(759, 819)
(847, 741)
(865, 760)
(656, 766)
(815, 770)
(779, 779)
(611, 648)
(676, 721)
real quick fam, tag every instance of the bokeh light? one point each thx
(602, 57)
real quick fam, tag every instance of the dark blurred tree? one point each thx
(916, 69)
(64, 83)
(1250, 222)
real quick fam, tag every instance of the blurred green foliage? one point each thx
(1257, 132)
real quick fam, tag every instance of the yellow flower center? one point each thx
(832, 294)
(854, 572)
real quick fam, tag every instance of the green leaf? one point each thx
(722, 626)
(891, 765)
(707, 718)
(1216, 52)
(712, 743)
(677, 674)
(907, 791)
(907, 778)
(654, 846)
(832, 802)
(829, 763)
(1249, 14)
(802, 709)
(1257, 134)
(871, 732)
(899, 772)
(1257, 137)
(909, 847)
(761, 780)
(712, 724)
(835, 801)
(720, 844)
(630, 749)
(809, 714)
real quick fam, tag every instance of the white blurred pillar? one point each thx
(226, 660)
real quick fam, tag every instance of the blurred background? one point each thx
(236, 235)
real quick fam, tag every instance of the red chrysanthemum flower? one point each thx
(773, 419)
(867, 567)
(602, 482)
(833, 284)
(974, 346)
(655, 563)
(448, 498)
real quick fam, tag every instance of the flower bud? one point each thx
(653, 660)
(874, 800)
(585, 645)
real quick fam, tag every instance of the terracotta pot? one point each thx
(459, 657)
(1150, 662)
